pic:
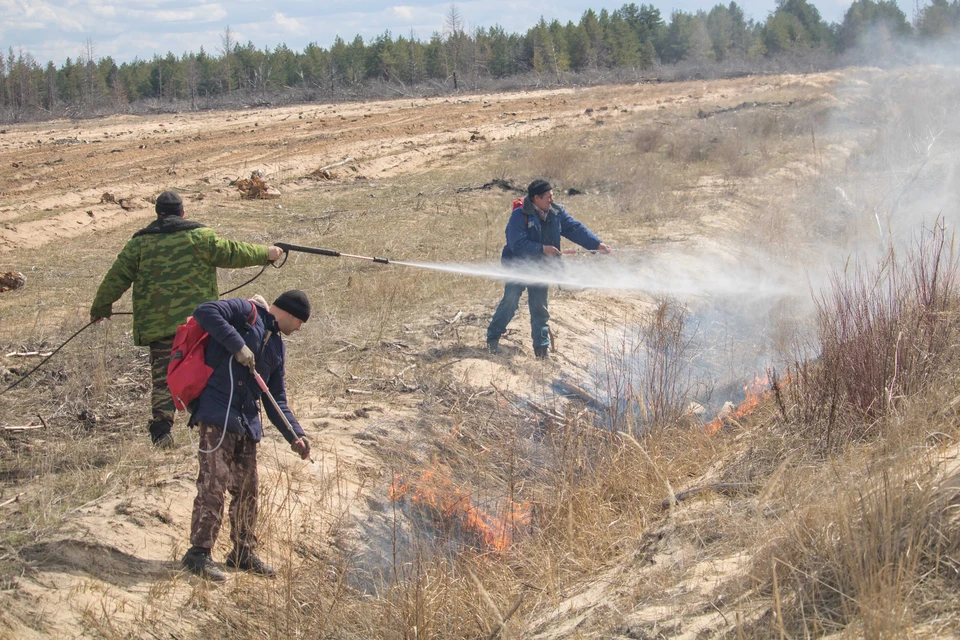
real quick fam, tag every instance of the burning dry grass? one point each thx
(862, 539)
(452, 514)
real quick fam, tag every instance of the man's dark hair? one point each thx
(538, 187)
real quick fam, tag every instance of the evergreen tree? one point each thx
(784, 32)
(504, 59)
(69, 81)
(578, 47)
(379, 58)
(676, 43)
(435, 58)
(622, 42)
(864, 15)
(720, 27)
(591, 26)
(316, 66)
(817, 31)
(287, 70)
(741, 34)
(938, 19)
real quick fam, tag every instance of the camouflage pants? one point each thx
(231, 468)
(161, 402)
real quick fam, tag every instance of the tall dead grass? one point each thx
(862, 532)
(883, 335)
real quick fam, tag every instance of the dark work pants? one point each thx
(162, 409)
(231, 468)
(539, 314)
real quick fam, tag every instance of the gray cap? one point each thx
(169, 203)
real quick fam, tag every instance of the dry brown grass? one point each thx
(851, 533)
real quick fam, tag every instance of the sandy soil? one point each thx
(103, 569)
(53, 175)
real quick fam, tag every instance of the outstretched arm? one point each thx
(230, 254)
(575, 231)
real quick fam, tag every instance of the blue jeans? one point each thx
(539, 315)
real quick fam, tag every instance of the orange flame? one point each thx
(755, 391)
(452, 511)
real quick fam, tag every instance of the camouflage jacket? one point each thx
(172, 265)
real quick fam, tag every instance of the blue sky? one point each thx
(125, 29)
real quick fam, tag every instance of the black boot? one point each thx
(160, 434)
(493, 346)
(247, 560)
(198, 562)
(542, 353)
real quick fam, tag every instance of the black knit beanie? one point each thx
(538, 187)
(169, 203)
(295, 303)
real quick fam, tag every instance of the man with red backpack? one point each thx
(227, 415)
(533, 235)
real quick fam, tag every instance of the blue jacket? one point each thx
(226, 322)
(526, 233)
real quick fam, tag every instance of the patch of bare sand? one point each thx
(115, 567)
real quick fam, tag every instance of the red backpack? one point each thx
(188, 371)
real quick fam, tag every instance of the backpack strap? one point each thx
(252, 316)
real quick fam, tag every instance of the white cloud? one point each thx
(402, 13)
(290, 25)
(200, 14)
(102, 9)
(20, 16)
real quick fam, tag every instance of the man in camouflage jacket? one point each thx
(172, 265)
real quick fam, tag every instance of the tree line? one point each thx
(634, 37)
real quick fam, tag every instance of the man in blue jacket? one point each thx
(533, 235)
(228, 416)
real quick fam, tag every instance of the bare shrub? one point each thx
(882, 335)
(649, 139)
(560, 163)
(737, 157)
(691, 146)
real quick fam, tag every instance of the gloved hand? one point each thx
(245, 357)
(301, 447)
